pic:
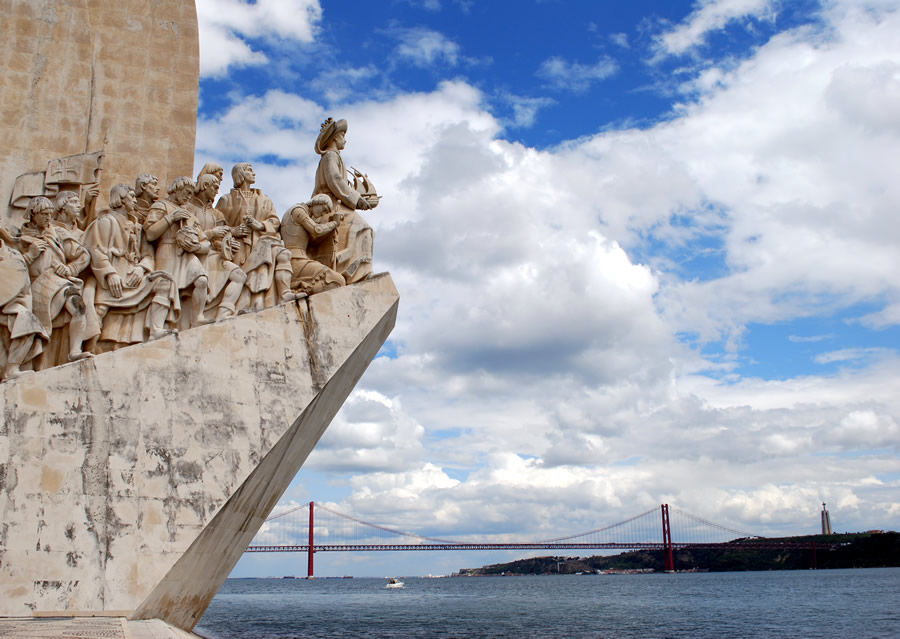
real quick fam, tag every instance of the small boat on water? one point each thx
(394, 583)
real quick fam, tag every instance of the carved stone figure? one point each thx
(181, 249)
(355, 238)
(306, 224)
(54, 262)
(146, 193)
(262, 255)
(131, 296)
(23, 336)
(69, 215)
(226, 279)
(212, 168)
(69, 222)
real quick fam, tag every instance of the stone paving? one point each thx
(89, 628)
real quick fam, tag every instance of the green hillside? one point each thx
(851, 550)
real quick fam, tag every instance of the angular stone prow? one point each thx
(131, 483)
(184, 594)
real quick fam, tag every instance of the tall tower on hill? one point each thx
(826, 521)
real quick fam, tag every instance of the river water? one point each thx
(858, 604)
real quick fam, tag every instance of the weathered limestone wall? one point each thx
(78, 71)
(132, 482)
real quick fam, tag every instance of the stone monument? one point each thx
(166, 364)
(96, 83)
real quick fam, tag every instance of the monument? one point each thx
(167, 362)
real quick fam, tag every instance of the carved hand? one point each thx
(254, 224)
(135, 277)
(36, 248)
(114, 282)
(362, 205)
(62, 270)
(180, 214)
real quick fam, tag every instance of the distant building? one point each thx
(826, 521)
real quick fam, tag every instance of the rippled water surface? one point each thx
(825, 603)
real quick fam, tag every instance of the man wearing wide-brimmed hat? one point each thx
(353, 255)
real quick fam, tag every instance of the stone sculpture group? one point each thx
(74, 282)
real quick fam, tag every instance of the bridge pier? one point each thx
(310, 550)
(668, 555)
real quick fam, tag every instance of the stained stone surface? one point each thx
(132, 482)
(78, 72)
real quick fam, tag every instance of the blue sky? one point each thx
(646, 251)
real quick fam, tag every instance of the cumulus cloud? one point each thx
(539, 365)
(228, 28)
(371, 433)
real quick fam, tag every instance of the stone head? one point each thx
(39, 211)
(320, 205)
(212, 168)
(332, 135)
(181, 189)
(243, 175)
(68, 206)
(147, 186)
(207, 186)
(122, 196)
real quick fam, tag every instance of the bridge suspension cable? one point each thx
(667, 528)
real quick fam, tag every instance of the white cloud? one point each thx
(425, 47)
(538, 367)
(849, 355)
(711, 15)
(620, 39)
(226, 25)
(525, 109)
(371, 433)
(574, 76)
(801, 339)
(888, 316)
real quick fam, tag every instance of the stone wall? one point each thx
(132, 482)
(78, 72)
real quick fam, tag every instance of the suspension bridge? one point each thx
(316, 528)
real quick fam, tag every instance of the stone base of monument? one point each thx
(132, 482)
(91, 628)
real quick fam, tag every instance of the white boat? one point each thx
(394, 583)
